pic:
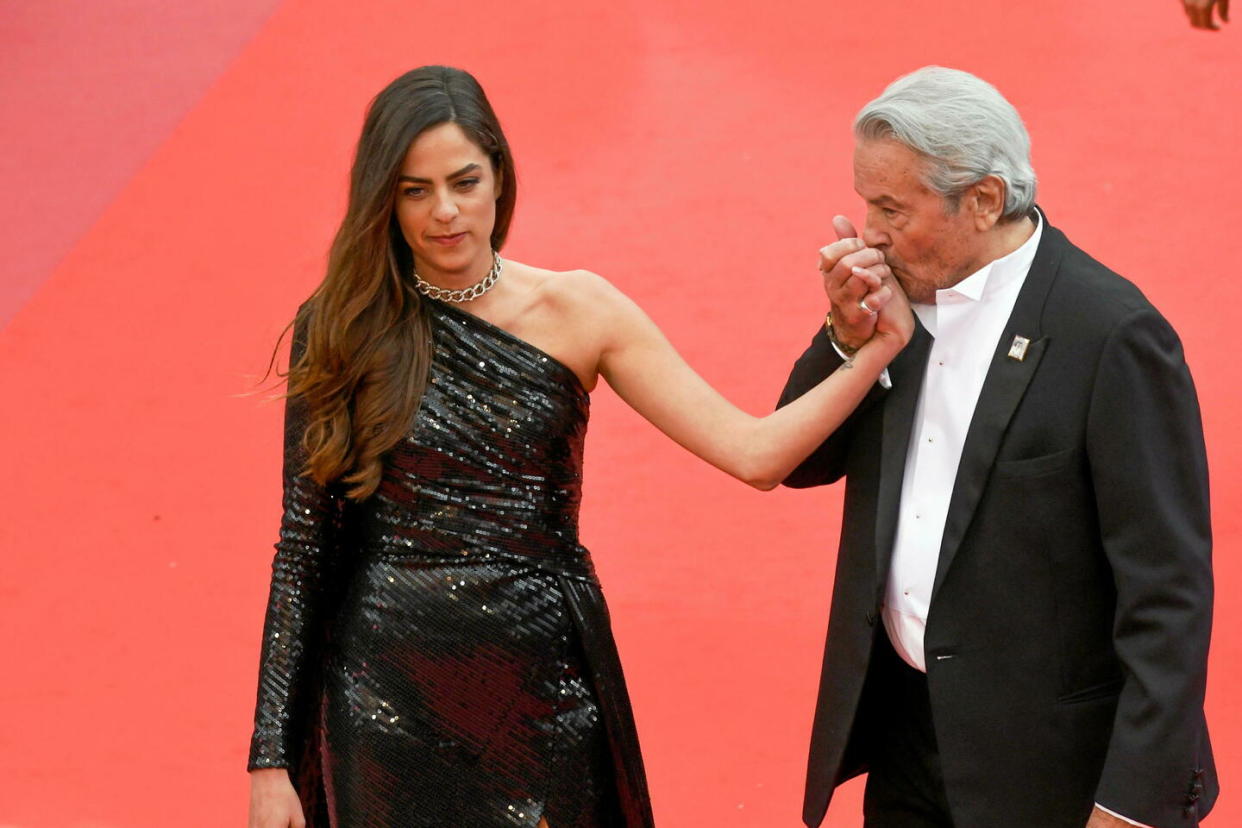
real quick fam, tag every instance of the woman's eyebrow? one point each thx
(469, 168)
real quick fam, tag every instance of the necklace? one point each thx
(462, 294)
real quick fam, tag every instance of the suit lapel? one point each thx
(1003, 388)
(906, 373)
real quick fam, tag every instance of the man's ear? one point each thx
(987, 202)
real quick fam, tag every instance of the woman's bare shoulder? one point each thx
(573, 285)
(581, 308)
(583, 293)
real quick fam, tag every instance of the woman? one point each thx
(437, 650)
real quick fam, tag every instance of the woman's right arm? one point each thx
(645, 371)
(291, 628)
(826, 464)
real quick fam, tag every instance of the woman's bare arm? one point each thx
(647, 372)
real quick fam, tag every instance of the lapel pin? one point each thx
(1018, 349)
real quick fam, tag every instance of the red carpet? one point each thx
(174, 174)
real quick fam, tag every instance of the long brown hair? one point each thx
(362, 342)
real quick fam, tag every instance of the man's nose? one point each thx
(874, 237)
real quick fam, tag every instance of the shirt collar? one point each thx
(997, 273)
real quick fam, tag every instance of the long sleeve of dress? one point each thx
(298, 601)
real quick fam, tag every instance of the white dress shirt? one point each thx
(966, 321)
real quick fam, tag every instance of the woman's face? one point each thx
(446, 206)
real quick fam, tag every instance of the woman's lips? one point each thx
(448, 241)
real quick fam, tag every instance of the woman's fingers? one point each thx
(848, 253)
(872, 276)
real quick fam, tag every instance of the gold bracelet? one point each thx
(832, 337)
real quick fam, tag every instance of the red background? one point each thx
(172, 176)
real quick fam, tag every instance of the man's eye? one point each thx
(889, 212)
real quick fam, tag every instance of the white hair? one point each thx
(964, 128)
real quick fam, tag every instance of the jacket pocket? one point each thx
(1112, 687)
(1035, 466)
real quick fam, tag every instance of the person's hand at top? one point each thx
(1202, 13)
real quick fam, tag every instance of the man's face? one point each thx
(928, 246)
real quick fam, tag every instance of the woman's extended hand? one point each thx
(273, 802)
(894, 321)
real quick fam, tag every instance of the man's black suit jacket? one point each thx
(1068, 629)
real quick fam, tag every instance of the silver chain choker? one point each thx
(462, 294)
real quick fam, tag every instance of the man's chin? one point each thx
(917, 292)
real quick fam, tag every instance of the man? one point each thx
(1020, 622)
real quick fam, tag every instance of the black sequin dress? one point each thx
(440, 654)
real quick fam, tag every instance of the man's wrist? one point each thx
(846, 350)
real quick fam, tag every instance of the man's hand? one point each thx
(1200, 13)
(851, 271)
(1103, 819)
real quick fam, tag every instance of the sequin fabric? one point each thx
(440, 654)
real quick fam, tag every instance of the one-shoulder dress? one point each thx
(440, 653)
